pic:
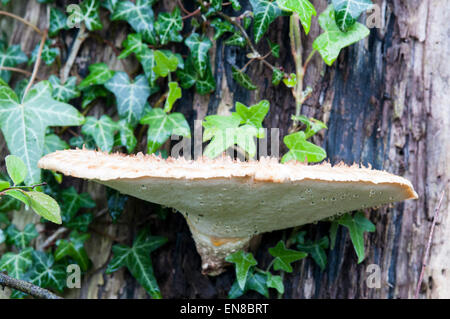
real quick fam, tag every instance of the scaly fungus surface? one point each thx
(227, 202)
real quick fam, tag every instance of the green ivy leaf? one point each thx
(348, 11)
(81, 223)
(356, 227)
(275, 281)
(20, 239)
(236, 5)
(58, 21)
(16, 169)
(48, 55)
(316, 249)
(110, 5)
(16, 264)
(131, 96)
(291, 80)
(89, 14)
(137, 260)
(164, 64)
(99, 73)
(116, 203)
(264, 13)
(243, 262)
(102, 130)
(169, 26)
(72, 202)
(236, 40)
(91, 93)
(162, 126)
(199, 47)
(243, 79)
(147, 59)
(221, 27)
(173, 95)
(189, 77)
(312, 125)
(257, 281)
(140, 16)
(132, 44)
(253, 115)
(54, 143)
(277, 76)
(304, 8)
(274, 48)
(330, 43)
(23, 123)
(284, 257)
(126, 135)
(74, 248)
(11, 57)
(45, 206)
(301, 150)
(333, 233)
(45, 273)
(64, 92)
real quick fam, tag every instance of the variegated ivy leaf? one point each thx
(58, 21)
(88, 14)
(138, 261)
(253, 115)
(330, 43)
(102, 130)
(126, 136)
(93, 92)
(236, 5)
(348, 11)
(161, 126)
(301, 150)
(16, 264)
(221, 27)
(11, 57)
(164, 64)
(199, 47)
(243, 79)
(131, 97)
(140, 16)
(45, 273)
(24, 123)
(64, 92)
(237, 40)
(277, 76)
(72, 202)
(54, 143)
(188, 77)
(147, 59)
(274, 48)
(132, 44)
(173, 95)
(20, 239)
(304, 8)
(48, 55)
(264, 12)
(99, 73)
(169, 25)
(110, 5)
(74, 248)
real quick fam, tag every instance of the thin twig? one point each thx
(427, 251)
(36, 64)
(50, 240)
(81, 36)
(9, 68)
(26, 287)
(35, 28)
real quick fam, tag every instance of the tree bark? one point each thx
(386, 103)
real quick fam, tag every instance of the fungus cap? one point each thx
(227, 202)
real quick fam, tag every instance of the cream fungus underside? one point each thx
(226, 202)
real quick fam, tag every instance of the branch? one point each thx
(427, 251)
(36, 64)
(26, 287)
(9, 68)
(35, 28)
(81, 36)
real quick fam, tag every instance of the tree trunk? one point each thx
(386, 103)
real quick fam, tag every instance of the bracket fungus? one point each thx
(227, 202)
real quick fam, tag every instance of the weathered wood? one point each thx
(385, 102)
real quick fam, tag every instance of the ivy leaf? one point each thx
(253, 115)
(189, 77)
(126, 136)
(356, 227)
(64, 92)
(221, 27)
(102, 130)
(257, 281)
(274, 48)
(81, 223)
(74, 248)
(21, 239)
(48, 55)
(330, 43)
(236, 40)
(116, 203)
(45, 206)
(11, 57)
(72, 202)
(110, 5)
(58, 21)
(199, 47)
(147, 59)
(169, 26)
(162, 126)
(317, 250)
(24, 123)
(243, 262)
(137, 260)
(45, 273)
(140, 16)
(173, 95)
(264, 12)
(89, 14)
(243, 79)
(284, 257)
(301, 150)
(16, 264)
(277, 76)
(132, 44)
(99, 73)
(291, 80)
(236, 5)
(304, 8)
(275, 281)
(131, 96)
(16, 169)
(333, 233)
(93, 92)
(312, 125)
(164, 64)
(348, 11)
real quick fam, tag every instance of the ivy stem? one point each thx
(296, 48)
(81, 36)
(35, 28)
(8, 68)
(36, 64)
(26, 287)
